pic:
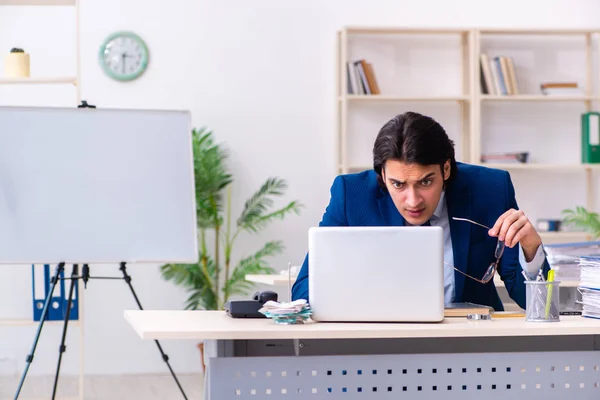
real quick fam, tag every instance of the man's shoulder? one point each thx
(364, 180)
(479, 174)
(364, 183)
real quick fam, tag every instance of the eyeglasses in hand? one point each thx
(489, 273)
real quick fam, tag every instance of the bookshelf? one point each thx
(62, 84)
(438, 72)
(39, 81)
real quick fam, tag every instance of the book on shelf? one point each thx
(497, 75)
(361, 78)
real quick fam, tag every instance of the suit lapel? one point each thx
(389, 213)
(459, 205)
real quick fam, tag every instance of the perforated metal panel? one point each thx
(555, 375)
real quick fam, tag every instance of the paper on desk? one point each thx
(294, 312)
(275, 307)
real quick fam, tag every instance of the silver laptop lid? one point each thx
(383, 274)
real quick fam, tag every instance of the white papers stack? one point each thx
(565, 257)
(589, 286)
(295, 312)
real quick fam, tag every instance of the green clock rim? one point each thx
(126, 77)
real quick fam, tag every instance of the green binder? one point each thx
(590, 137)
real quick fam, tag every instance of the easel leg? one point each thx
(59, 269)
(62, 348)
(164, 356)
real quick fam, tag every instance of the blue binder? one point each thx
(41, 275)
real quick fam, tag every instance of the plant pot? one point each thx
(201, 348)
(16, 65)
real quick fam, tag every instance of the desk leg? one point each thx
(496, 374)
(214, 349)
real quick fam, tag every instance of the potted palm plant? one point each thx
(214, 279)
(580, 217)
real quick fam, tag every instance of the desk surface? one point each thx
(166, 324)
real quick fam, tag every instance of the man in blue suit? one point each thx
(417, 181)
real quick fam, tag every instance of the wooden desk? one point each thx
(455, 359)
(201, 325)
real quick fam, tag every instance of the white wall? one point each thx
(261, 75)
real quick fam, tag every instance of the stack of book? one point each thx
(361, 78)
(589, 286)
(498, 76)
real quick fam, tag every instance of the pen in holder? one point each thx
(543, 301)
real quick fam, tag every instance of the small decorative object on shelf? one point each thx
(16, 64)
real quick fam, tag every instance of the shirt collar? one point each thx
(438, 210)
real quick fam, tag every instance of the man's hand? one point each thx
(513, 227)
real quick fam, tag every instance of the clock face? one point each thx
(123, 56)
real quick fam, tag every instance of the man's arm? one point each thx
(532, 267)
(518, 242)
(335, 215)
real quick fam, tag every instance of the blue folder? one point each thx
(41, 275)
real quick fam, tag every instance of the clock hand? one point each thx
(123, 56)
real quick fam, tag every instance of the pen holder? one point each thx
(543, 301)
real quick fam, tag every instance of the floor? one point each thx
(129, 387)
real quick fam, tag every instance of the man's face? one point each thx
(415, 189)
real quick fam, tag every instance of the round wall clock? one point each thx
(123, 56)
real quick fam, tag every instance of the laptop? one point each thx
(376, 274)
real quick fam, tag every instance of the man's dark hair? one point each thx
(414, 139)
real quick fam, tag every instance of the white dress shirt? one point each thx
(440, 218)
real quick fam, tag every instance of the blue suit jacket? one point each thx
(477, 193)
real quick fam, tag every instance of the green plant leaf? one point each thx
(255, 215)
(262, 221)
(195, 281)
(254, 264)
(211, 177)
(580, 217)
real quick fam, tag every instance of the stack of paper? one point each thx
(589, 286)
(564, 257)
(295, 312)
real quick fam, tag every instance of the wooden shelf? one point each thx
(534, 166)
(37, 2)
(545, 32)
(29, 322)
(383, 30)
(540, 166)
(510, 166)
(376, 98)
(535, 97)
(39, 81)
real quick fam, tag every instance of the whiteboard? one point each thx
(96, 186)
